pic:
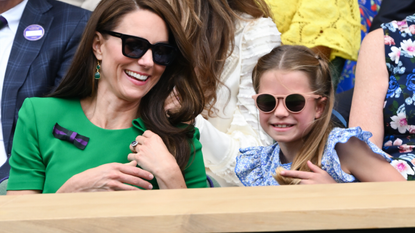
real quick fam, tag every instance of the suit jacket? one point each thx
(35, 68)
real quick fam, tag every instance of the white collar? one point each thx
(14, 15)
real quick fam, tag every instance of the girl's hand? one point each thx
(316, 176)
(152, 155)
(108, 177)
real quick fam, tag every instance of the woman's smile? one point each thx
(140, 77)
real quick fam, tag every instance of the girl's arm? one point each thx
(358, 159)
(371, 87)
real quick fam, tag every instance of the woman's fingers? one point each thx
(152, 154)
(113, 177)
(133, 170)
(122, 176)
(119, 186)
(140, 140)
(125, 182)
(132, 163)
(133, 146)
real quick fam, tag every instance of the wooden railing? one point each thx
(284, 208)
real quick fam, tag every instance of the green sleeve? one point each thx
(195, 173)
(27, 168)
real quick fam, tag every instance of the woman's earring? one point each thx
(97, 74)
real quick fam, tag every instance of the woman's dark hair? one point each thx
(80, 83)
(210, 27)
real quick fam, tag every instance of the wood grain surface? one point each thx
(250, 209)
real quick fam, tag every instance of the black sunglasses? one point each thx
(136, 47)
(294, 103)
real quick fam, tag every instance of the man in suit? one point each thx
(38, 39)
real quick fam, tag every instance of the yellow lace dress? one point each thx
(330, 23)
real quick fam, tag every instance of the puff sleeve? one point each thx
(331, 162)
(256, 165)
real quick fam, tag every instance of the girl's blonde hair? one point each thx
(301, 58)
(210, 27)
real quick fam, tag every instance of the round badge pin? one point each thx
(34, 32)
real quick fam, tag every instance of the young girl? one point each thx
(295, 99)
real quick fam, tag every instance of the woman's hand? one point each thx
(108, 177)
(316, 176)
(152, 155)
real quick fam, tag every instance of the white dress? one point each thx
(236, 124)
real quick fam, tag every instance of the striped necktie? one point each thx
(3, 22)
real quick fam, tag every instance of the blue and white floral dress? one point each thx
(256, 165)
(399, 105)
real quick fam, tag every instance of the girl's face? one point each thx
(130, 79)
(283, 126)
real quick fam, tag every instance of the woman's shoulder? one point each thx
(50, 102)
(48, 106)
(139, 124)
(257, 38)
(251, 25)
(399, 25)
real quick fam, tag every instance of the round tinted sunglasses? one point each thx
(136, 47)
(294, 103)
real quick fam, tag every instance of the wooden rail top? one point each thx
(284, 208)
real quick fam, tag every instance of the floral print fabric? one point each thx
(256, 165)
(399, 105)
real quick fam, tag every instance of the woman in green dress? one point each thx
(132, 54)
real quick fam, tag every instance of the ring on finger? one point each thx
(134, 144)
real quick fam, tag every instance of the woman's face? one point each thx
(130, 79)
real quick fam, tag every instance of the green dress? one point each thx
(40, 161)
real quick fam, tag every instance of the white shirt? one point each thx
(237, 125)
(7, 35)
(86, 4)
